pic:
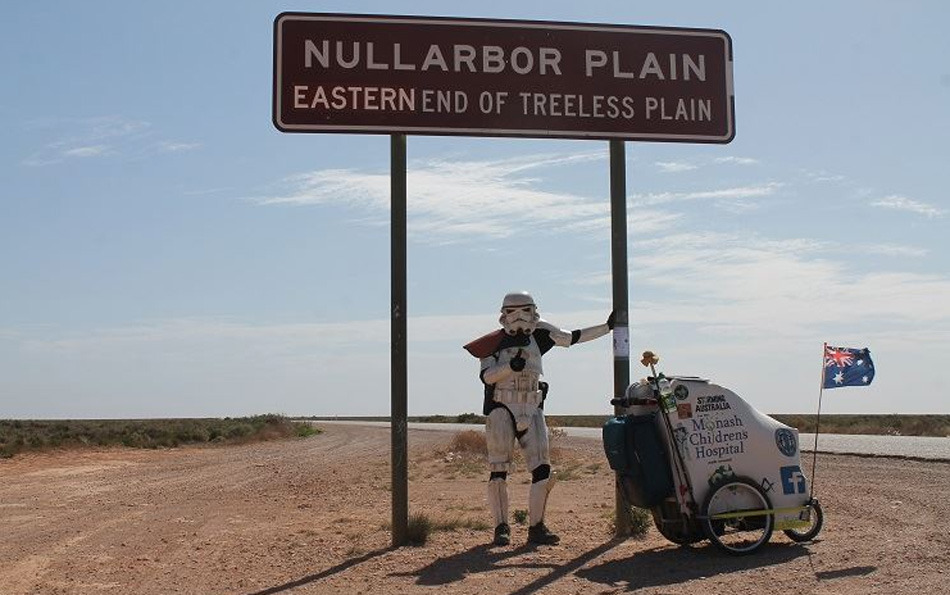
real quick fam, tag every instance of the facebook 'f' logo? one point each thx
(793, 482)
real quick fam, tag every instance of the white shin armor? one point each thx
(538, 500)
(498, 500)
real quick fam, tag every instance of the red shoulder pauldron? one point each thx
(486, 344)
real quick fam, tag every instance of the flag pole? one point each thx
(821, 390)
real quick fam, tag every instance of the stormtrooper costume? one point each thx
(514, 399)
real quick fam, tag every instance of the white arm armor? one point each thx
(564, 338)
(494, 371)
(593, 332)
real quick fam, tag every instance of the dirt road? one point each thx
(311, 516)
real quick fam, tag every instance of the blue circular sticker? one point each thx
(786, 441)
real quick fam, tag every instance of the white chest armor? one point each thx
(520, 386)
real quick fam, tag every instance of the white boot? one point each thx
(538, 533)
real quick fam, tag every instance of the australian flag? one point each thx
(847, 367)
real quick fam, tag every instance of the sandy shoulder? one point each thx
(310, 516)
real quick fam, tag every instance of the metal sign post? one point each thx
(398, 352)
(621, 334)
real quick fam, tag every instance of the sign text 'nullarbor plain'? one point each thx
(347, 73)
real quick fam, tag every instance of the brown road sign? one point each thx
(447, 76)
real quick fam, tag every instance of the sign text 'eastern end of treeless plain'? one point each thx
(426, 75)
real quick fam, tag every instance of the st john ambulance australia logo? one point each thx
(786, 442)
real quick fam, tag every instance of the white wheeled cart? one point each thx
(708, 465)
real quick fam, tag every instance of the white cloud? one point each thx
(751, 285)
(645, 222)
(744, 308)
(894, 250)
(674, 166)
(729, 288)
(683, 166)
(84, 137)
(902, 203)
(72, 138)
(736, 160)
(198, 333)
(459, 200)
(726, 194)
(833, 178)
(641, 222)
(738, 206)
(93, 151)
(823, 176)
(207, 191)
(184, 339)
(170, 147)
(115, 127)
(452, 200)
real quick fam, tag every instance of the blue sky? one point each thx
(166, 252)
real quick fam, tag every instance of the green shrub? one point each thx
(418, 530)
(640, 521)
(306, 430)
(19, 435)
(470, 418)
(239, 431)
(458, 522)
(136, 439)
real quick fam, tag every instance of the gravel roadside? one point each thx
(311, 516)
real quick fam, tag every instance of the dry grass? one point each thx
(456, 523)
(25, 435)
(835, 423)
(418, 529)
(467, 455)
(421, 526)
(890, 425)
(469, 442)
(639, 519)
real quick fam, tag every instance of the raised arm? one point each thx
(563, 338)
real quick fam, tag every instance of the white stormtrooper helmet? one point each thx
(519, 313)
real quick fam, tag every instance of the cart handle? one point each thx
(628, 401)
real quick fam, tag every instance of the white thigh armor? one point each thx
(500, 436)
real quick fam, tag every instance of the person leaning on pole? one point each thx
(510, 360)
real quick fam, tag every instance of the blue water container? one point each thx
(635, 451)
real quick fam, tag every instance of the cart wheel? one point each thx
(670, 523)
(735, 517)
(808, 533)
